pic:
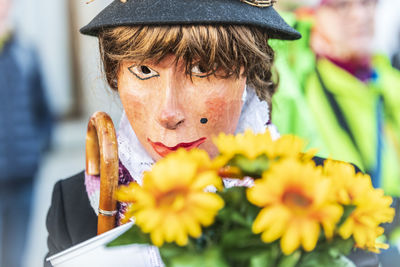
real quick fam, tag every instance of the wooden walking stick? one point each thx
(102, 158)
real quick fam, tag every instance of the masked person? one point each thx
(340, 95)
(185, 71)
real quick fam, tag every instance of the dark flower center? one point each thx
(295, 198)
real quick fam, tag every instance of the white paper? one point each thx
(94, 252)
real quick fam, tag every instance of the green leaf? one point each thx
(251, 167)
(237, 208)
(211, 257)
(324, 258)
(260, 260)
(341, 247)
(238, 218)
(336, 246)
(290, 260)
(348, 209)
(133, 236)
(171, 250)
(239, 238)
(268, 258)
(241, 245)
(233, 196)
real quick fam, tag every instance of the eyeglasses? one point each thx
(344, 7)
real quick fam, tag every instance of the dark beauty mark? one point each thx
(203, 120)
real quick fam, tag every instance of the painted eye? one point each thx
(143, 72)
(199, 71)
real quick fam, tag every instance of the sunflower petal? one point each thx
(149, 219)
(205, 179)
(360, 236)
(192, 226)
(310, 234)
(347, 228)
(268, 216)
(157, 237)
(207, 200)
(290, 240)
(181, 237)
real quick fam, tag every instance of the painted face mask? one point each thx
(169, 108)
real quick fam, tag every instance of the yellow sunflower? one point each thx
(344, 184)
(296, 202)
(291, 146)
(371, 209)
(253, 145)
(371, 206)
(248, 144)
(172, 204)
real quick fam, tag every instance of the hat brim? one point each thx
(190, 12)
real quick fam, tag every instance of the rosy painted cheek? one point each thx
(222, 113)
(138, 116)
(214, 109)
(132, 108)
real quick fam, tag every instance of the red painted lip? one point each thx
(164, 150)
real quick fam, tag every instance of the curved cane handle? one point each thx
(102, 158)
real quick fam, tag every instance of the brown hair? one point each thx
(225, 47)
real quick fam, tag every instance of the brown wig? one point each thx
(225, 47)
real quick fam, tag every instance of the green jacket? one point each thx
(302, 106)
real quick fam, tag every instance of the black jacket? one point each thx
(71, 220)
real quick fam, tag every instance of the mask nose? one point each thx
(171, 119)
(171, 115)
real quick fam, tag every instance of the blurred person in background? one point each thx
(351, 96)
(25, 124)
(338, 93)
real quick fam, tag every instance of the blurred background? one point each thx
(74, 88)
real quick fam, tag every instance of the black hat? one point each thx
(179, 12)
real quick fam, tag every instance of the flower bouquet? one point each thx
(290, 213)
